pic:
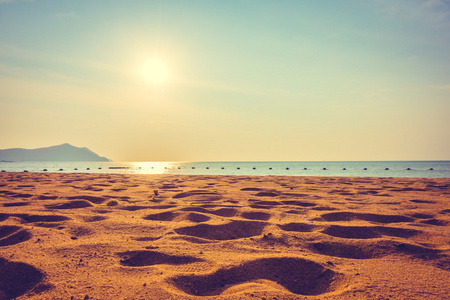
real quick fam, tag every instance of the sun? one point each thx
(155, 71)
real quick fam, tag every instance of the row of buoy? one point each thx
(365, 169)
(76, 169)
(207, 168)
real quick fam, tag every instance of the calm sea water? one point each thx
(425, 169)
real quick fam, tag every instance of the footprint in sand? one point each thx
(142, 258)
(47, 197)
(338, 249)
(229, 231)
(298, 227)
(299, 203)
(10, 204)
(368, 232)
(199, 195)
(263, 204)
(223, 212)
(177, 216)
(41, 218)
(348, 216)
(164, 216)
(93, 199)
(17, 278)
(297, 275)
(70, 205)
(94, 218)
(256, 215)
(197, 218)
(436, 222)
(423, 201)
(11, 235)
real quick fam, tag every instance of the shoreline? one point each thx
(344, 169)
(225, 175)
(170, 236)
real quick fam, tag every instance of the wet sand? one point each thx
(88, 236)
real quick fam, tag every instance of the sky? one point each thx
(238, 80)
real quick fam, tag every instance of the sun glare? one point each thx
(155, 71)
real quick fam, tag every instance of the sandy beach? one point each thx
(99, 236)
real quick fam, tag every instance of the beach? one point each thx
(115, 236)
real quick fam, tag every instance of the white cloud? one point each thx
(68, 15)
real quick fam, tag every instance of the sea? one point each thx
(418, 169)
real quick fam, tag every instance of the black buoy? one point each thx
(344, 169)
(238, 168)
(86, 169)
(270, 168)
(324, 168)
(305, 168)
(193, 168)
(287, 168)
(223, 168)
(101, 168)
(3, 171)
(254, 168)
(76, 169)
(61, 169)
(207, 168)
(179, 168)
(45, 170)
(26, 171)
(365, 169)
(408, 169)
(431, 169)
(387, 169)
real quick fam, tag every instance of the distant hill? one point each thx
(64, 152)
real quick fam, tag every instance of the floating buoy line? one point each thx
(207, 168)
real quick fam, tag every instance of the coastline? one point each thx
(227, 236)
(416, 169)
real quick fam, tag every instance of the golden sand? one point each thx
(88, 236)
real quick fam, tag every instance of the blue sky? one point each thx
(249, 80)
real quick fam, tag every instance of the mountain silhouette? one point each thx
(64, 152)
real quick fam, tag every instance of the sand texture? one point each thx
(91, 236)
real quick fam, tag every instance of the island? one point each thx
(64, 152)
